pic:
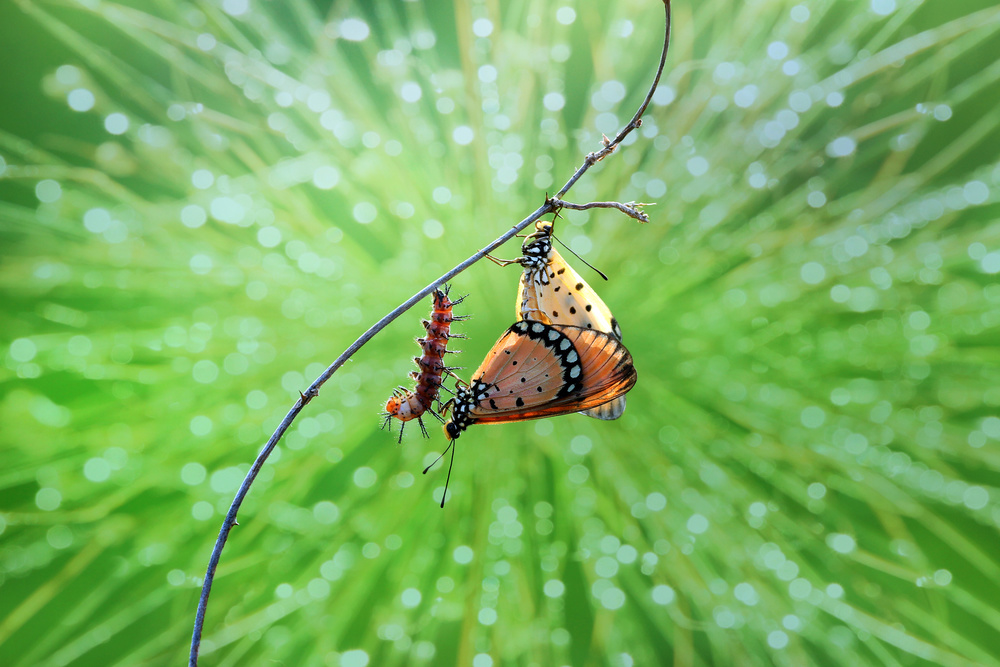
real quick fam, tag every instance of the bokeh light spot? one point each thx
(97, 470)
(80, 99)
(354, 30)
(48, 191)
(462, 555)
(116, 123)
(48, 499)
(365, 477)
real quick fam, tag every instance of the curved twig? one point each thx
(305, 397)
(632, 209)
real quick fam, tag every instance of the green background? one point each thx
(202, 204)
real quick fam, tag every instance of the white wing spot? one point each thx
(572, 356)
(564, 344)
(553, 334)
(574, 372)
(538, 327)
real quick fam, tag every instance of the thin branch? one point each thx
(631, 209)
(610, 146)
(304, 398)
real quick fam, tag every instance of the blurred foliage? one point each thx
(203, 203)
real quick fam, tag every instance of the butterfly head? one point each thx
(460, 406)
(537, 246)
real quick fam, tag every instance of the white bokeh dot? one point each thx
(235, 7)
(354, 30)
(565, 15)
(80, 99)
(116, 123)
(883, 7)
(410, 92)
(482, 27)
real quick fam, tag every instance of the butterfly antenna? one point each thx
(440, 456)
(599, 272)
(448, 478)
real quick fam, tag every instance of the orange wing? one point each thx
(537, 370)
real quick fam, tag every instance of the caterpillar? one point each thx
(409, 404)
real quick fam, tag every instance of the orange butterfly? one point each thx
(551, 292)
(541, 370)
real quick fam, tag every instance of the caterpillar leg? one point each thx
(386, 421)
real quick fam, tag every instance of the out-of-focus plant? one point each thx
(217, 197)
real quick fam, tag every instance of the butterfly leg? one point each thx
(448, 370)
(446, 408)
(502, 262)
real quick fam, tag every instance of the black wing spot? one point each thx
(506, 351)
(539, 389)
(519, 402)
(556, 289)
(572, 310)
(524, 379)
(514, 363)
(589, 307)
(493, 404)
(561, 271)
(589, 325)
(555, 313)
(579, 286)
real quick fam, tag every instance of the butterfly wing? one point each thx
(565, 299)
(537, 370)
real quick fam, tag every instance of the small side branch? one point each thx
(550, 206)
(632, 209)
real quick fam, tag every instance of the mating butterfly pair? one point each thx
(563, 355)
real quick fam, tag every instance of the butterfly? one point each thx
(409, 404)
(551, 292)
(538, 370)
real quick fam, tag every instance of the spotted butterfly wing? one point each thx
(551, 292)
(541, 370)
